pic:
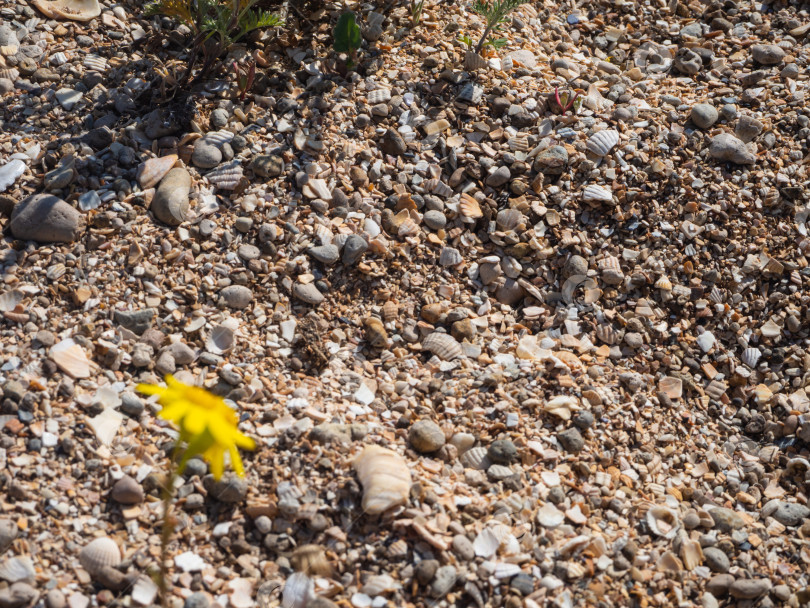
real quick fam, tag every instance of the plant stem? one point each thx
(481, 42)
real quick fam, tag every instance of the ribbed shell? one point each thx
(98, 554)
(450, 256)
(518, 143)
(390, 311)
(597, 193)
(470, 207)
(17, 569)
(602, 143)
(438, 187)
(509, 219)
(750, 357)
(94, 62)
(664, 283)
(475, 458)
(444, 346)
(227, 176)
(380, 95)
(385, 478)
(474, 61)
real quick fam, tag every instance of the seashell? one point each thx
(385, 478)
(71, 359)
(450, 256)
(497, 472)
(397, 550)
(691, 554)
(10, 73)
(663, 521)
(94, 62)
(298, 591)
(507, 64)
(652, 57)
(486, 543)
(151, 171)
(509, 219)
(597, 193)
(8, 533)
(58, 58)
(475, 458)
(553, 217)
(608, 334)
(55, 272)
(470, 208)
(573, 283)
(550, 516)
(18, 569)
(227, 176)
(379, 95)
(438, 187)
(375, 333)
(9, 50)
(506, 570)
(519, 143)
(10, 299)
(444, 346)
(390, 311)
(671, 387)
(474, 61)
(669, 562)
(311, 560)
(407, 227)
(144, 591)
(100, 553)
(562, 406)
(663, 283)
(798, 467)
(602, 143)
(716, 295)
(324, 234)
(217, 138)
(379, 584)
(220, 340)
(76, 10)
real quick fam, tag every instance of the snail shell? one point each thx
(385, 478)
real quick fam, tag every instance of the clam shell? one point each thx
(227, 176)
(444, 346)
(58, 58)
(385, 478)
(150, 172)
(608, 334)
(98, 554)
(450, 256)
(77, 10)
(663, 521)
(663, 283)
(519, 143)
(550, 516)
(669, 562)
(380, 95)
(10, 299)
(751, 356)
(475, 458)
(474, 61)
(17, 569)
(597, 193)
(217, 138)
(602, 143)
(573, 283)
(94, 62)
(691, 554)
(8, 532)
(509, 219)
(470, 208)
(70, 358)
(220, 340)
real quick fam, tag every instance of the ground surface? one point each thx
(584, 336)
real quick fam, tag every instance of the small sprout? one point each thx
(244, 77)
(562, 102)
(494, 12)
(416, 11)
(347, 37)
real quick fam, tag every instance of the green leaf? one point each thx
(347, 34)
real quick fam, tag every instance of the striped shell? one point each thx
(380, 95)
(385, 478)
(94, 62)
(397, 550)
(475, 458)
(597, 193)
(10, 73)
(509, 219)
(227, 176)
(390, 311)
(664, 283)
(750, 357)
(444, 346)
(602, 143)
(470, 208)
(217, 138)
(100, 553)
(58, 58)
(519, 144)
(450, 256)
(408, 227)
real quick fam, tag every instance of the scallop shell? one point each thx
(509, 219)
(444, 346)
(450, 256)
(716, 295)
(17, 569)
(474, 61)
(470, 208)
(58, 58)
(71, 359)
(385, 478)
(475, 458)
(217, 138)
(77, 10)
(602, 143)
(10, 299)
(227, 176)
(750, 356)
(10, 73)
(663, 521)
(663, 283)
(597, 193)
(220, 340)
(507, 64)
(691, 554)
(100, 553)
(151, 171)
(608, 334)
(397, 550)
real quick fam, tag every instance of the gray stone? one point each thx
(165, 363)
(552, 161)
(127, 491)
(267, 165)
(136, 321)
(99, 138)
(17, 595)
(231, 488)
(571, 440)
(183, 354)
(170, 204)
(499, 177)
(142, 355)
(443, 581)
(502, 451)
(55, 599)
(687, 62)
(219, 118)
(716, 560)
(748, 128)
(463, 548)
(425, 571)
(704, 115)
(6, 86)
(719, 584)
(89, 200)
(523, 584)
(583, 420)
(68, 98)
(45, 218)
(308, 293)
(435, 220)
(750, 588)
(329, 432)
(727, 148)
(326, 254)
(425, 436)
(248, 252)
(726, 520)
(353, 249)
(236, 296)
(205, 155)
(790, 513)
(8, 37)
(392, 143)
(767, 54)
(59, 178)
(8, 532)
(131, 405)
(197, 600)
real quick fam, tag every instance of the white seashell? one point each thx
(507, 64)
(18, 569)
(144, 591)
(574, 282)
(602, 143)
(550, 516)
(444, 346)
(220, 340)
(519, 143)
(385, 478)
(380, 95)
(226, 177)
(663, 521)
(58, 58)
(379, 584)
(497, 472)
(597, 193)
(298, 591)
(10, 299)
(562, 406)
(70, 358)
(10, 73)
(474, 61)
(506, 570)
(96, 63)
(664, 283)
(751, 356)
(509, 219)
(475, 458)
(450, 256)
(691, 554)
(77, 10)
(438, 187)
(798, 467)
(98, 554)
(486, 543)
(716, 295)
(151, 171)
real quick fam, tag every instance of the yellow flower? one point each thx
(205, 422)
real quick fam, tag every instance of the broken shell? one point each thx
(76, 10)
(506, 570)
(380, 584)
(100, 553)
(561, 406)
(798, 467)
(691, 554)
(311, 560)
(573, 283)
(475, 458)
(597, 193)
(70, 358)
(602, 143)
(407, 227)
(450, 256)
(227, 176)
(376, 335)
(10, 299)
(550, 516)
(385, 478)
(390, 311)
(470, 208)
(153, 170)
(8, 532)
(663, 521)
(509, 219)
(444, 346)
(17, 569)
(750, 356)
(95, 62)
(668, 561)
(438, 187)
(474, 61)
(298, 591)
(221, 340)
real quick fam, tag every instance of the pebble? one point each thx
(236, 296)
(392, 143)
(8, 532)
(443, 581)
(571, 440)
(308, 293)
(59, 178)
(704, 115)
(219, 118)
(749, 589)
(499, 177)
(127, 491)
(425, 571)
(229, 489)
(725, 147)
(326, 254)
(502, 451)
(716, 559)
(425, 436)
(353, 249)
(10, 172)
(267, 165)
(747, 128)
(463, 547)
(435, 220)
(44, 218)
(205, 155)
(171, 203)
(68, 98)
(791, 513)
(55, 599)
(726, 520)
(767, 54)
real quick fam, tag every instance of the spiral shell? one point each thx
(227, 176)
(509, 219)
(444, 346)
(385, 478)
(450, 256)
(597, 193)
(602, 143)
(663, 521)
(100, 553)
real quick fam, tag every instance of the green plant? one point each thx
(347, 37)
(216, 25)
(494, 14)
(567, 100)
(416, 11)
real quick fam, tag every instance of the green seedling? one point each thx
(564, 101)
(416, 11)
(495, 15)
(348, 38)
(244, 77)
